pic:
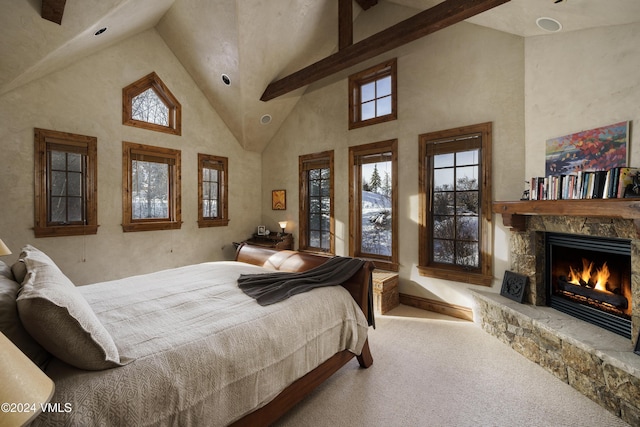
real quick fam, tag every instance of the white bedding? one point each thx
(203, 352)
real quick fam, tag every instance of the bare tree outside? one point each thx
(456, 210)
(148, 107)
(211, 194)
(150, 195)
(319, 208)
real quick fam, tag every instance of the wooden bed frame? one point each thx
(358, 286)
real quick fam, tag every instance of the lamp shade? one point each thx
(24, 386)
(4, 250)
(283, 224)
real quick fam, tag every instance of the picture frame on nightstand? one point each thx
(262, 230)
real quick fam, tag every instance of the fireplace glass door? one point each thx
(590, 278)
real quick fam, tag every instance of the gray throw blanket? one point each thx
(269, 288)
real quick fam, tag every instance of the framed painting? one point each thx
(598, 149)
(279, 200)
(513, 285)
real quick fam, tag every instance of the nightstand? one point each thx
(272, 240)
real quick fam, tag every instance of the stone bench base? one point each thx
(598, 363)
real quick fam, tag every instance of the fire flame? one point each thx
(598, 279)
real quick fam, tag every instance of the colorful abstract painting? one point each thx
(597, 149)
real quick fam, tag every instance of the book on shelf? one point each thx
(609, 184)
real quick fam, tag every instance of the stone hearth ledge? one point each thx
(598, 363)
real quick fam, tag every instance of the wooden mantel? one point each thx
(514, 213)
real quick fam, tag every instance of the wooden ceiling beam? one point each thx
(345, 23)
(52, 10)
(366, 4)
(442, 15)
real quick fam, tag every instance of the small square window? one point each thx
(372, 95)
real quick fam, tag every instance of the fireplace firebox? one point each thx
(590, 278)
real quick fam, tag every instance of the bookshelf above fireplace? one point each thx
(514, 213)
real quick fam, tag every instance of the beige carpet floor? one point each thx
(434, 370)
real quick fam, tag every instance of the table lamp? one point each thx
(283, 225)
(23, 385)
(4, 250)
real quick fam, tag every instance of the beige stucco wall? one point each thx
(86, 98)
(578, 81)
(462, 75)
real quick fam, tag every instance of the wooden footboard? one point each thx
(358, 286)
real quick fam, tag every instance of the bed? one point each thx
(186, 346)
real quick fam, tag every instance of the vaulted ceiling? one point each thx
(253, 42)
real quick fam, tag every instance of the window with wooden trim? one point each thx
(317, 224)
(213, 191)
(149, 104)
(455, 197)
(373, 95)
(373, 203)
(66, 184)
(151, 188)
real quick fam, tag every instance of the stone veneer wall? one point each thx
(596, 362)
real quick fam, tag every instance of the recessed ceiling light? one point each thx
(549, 24)
(100, 31)
(266, 119)
(226, 80)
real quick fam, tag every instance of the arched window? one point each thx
(149, 104)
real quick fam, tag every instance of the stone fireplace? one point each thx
(597, 362)
(529, 253)
(589, 278)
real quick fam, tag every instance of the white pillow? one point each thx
(60, 319)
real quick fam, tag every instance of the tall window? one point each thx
(316, 202)
(373, 203)
(213, 191)
(455, 188)
(149, 104)
(65, 184)
(151, 188)
(372, 95)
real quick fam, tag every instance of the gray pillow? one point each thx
(19, 270)
(5, 271)
(60, 319)
(10, 324)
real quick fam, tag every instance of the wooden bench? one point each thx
(385, 291)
